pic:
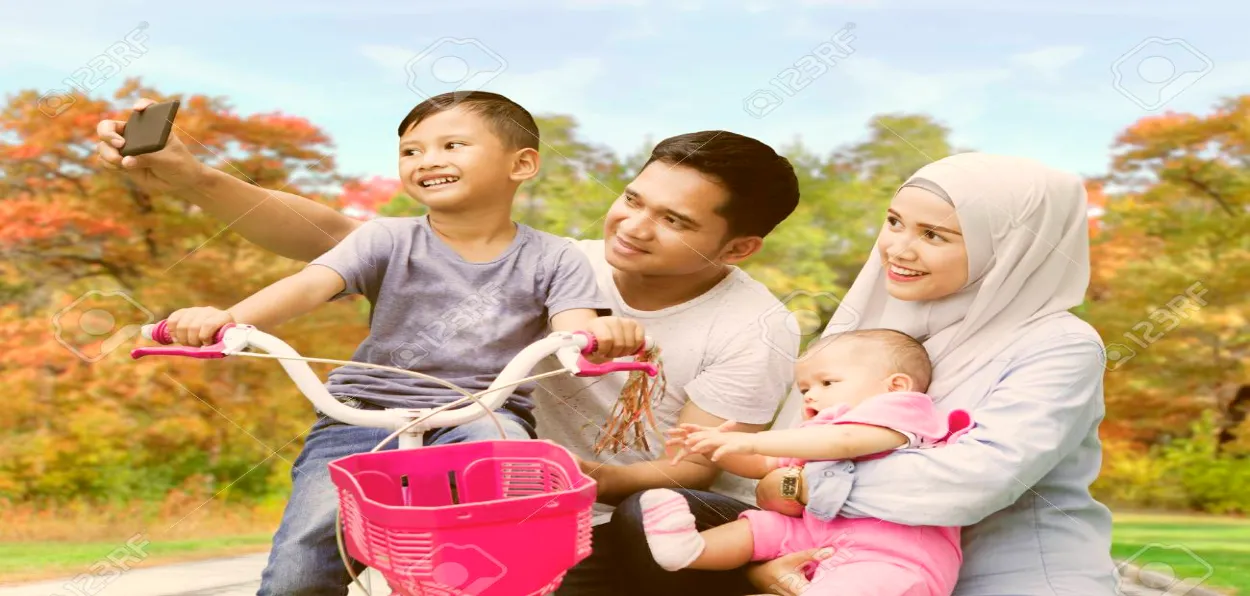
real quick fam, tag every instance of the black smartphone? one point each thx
(147, 131)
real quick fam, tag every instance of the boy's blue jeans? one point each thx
(305, 558)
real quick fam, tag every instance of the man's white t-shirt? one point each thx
(728, 350)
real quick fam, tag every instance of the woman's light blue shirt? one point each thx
(1019, 480)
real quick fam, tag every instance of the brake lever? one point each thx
(586, 368)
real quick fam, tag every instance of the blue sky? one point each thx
(1030, 78)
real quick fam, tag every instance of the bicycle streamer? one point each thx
(635, 403)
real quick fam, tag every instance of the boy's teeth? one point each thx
(437, 181)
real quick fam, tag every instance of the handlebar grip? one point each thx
(159, 333)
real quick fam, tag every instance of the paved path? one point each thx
(235, 576)
(240, 576)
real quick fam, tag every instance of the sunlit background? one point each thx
(1150, 101)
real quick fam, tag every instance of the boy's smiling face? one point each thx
(453, 160)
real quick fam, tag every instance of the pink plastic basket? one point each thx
(484, 518)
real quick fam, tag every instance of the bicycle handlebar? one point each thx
(569, 347)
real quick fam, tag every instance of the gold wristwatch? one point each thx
(790, 480)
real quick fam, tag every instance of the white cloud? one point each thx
(161, 62)
(560, 89)
(961, 91)
(391, 58)
(1049, 61)
(644, 28)
(600, 4)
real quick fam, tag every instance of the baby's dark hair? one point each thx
(907, 355)
(512, 123)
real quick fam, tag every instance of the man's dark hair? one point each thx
(763, 189)
(511, 122)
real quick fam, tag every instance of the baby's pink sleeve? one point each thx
(912, 414)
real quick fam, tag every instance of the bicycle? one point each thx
(479, 503)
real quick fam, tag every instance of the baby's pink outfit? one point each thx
(871, 556)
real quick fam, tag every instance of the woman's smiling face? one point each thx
(922, 247)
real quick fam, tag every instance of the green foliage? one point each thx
(1189, 473)
(120, 430)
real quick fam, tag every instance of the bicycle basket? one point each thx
(483, 518)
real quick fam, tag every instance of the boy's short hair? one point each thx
(907, 355)
(512, 123)
(763, 188)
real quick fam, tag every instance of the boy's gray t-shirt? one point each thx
(435, 313)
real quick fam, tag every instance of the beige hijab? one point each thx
(1026, 229)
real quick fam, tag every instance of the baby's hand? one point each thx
(720, 443)
(616, 336)
(694, 438)
(197, 326)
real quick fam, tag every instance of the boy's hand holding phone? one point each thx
(144, 148)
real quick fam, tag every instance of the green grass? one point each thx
(1156, 540)
(1220, 547)
(32, 560)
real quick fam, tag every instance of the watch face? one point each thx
(790, 487)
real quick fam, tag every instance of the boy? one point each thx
(455, 294)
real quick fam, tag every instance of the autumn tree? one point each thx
(1172, 270)
(86, 257)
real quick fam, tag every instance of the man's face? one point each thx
(665, 223)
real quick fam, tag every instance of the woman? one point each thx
(980, 257)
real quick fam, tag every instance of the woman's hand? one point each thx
(197, 326)
(788, 574)
(768, 495)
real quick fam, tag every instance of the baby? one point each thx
(863, 398)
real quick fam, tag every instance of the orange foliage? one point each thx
(85, 258)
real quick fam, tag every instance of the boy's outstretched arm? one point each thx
(280, 222)
(281, 301)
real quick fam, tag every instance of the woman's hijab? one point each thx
(1026, 230)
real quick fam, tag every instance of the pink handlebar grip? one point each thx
(160, 334)
(590, 369)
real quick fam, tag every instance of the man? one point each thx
(703, 203)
